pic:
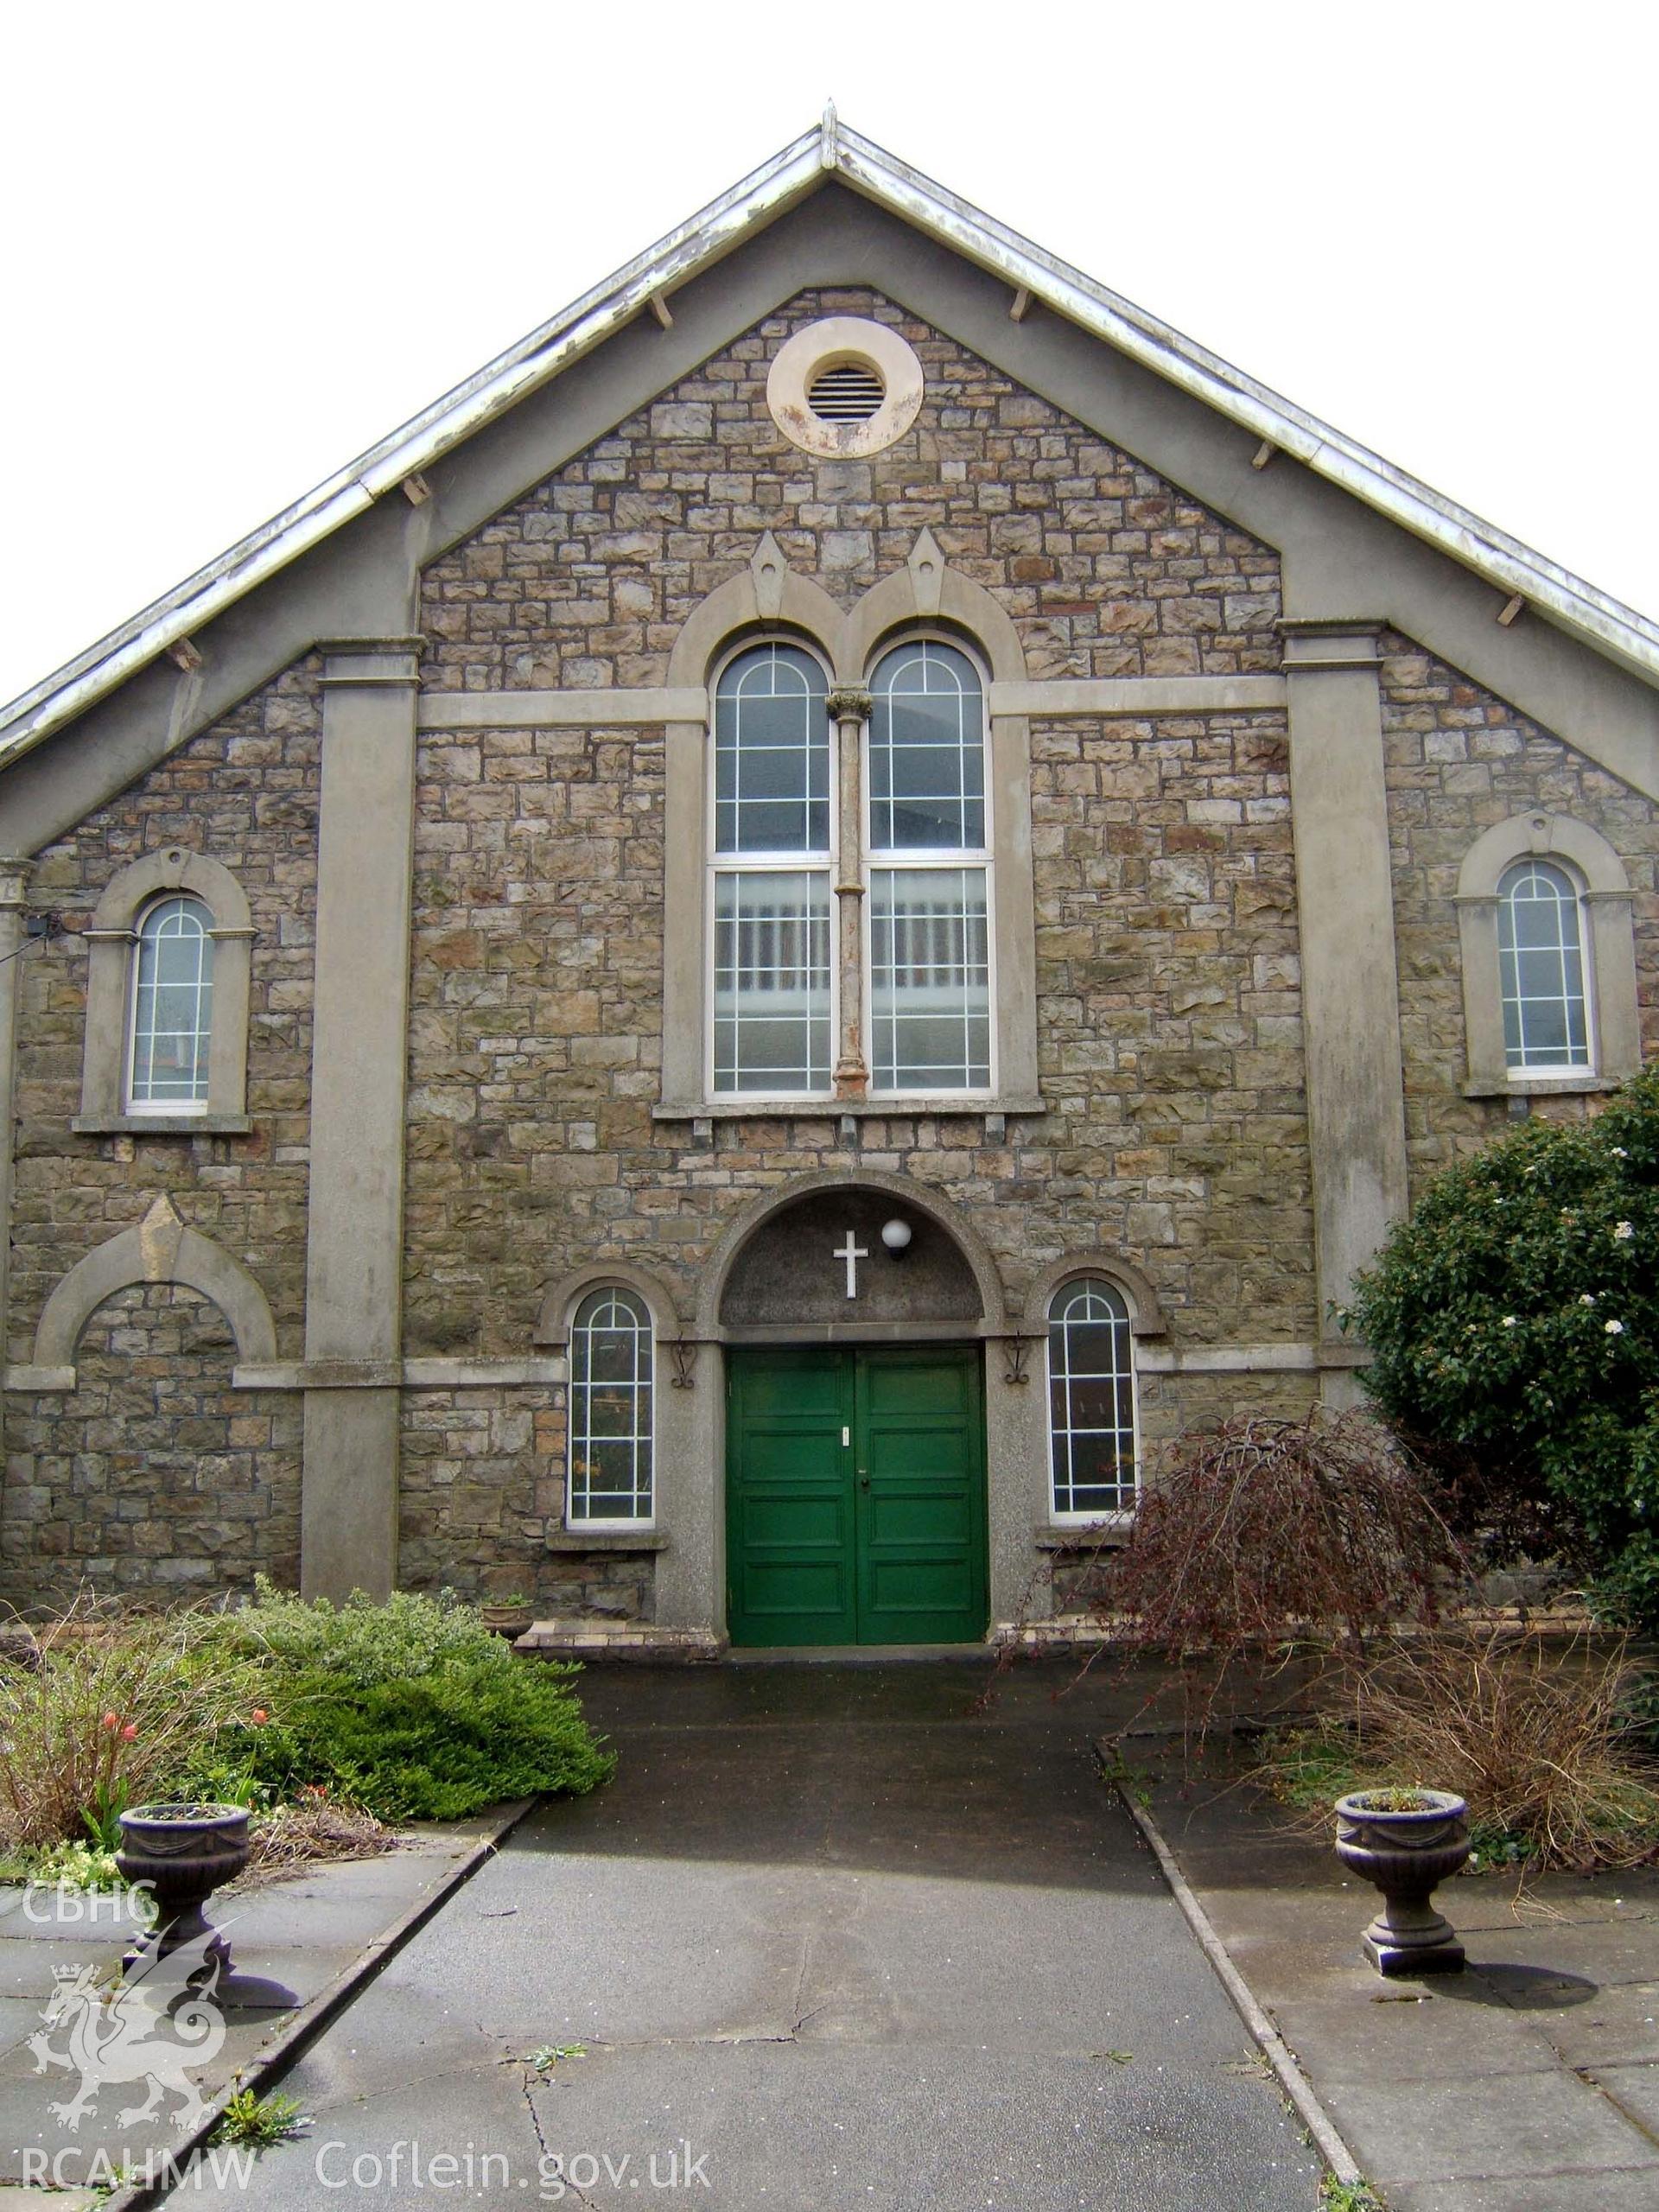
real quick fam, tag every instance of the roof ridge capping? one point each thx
(830, 148)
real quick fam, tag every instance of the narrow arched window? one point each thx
(611, 1393)
(930, 923)
(1542, 968)
(773, 987)
(172, 1007)
(1091, 1400)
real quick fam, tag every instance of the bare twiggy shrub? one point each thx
(291, 1838)
(1264, 1531)
(97, 1708)
(1537, 1735)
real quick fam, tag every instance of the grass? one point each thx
(1349, 2196)
(1538, 1739)
(261, 2121)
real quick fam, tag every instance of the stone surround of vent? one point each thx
(844, 387)
(849, 391)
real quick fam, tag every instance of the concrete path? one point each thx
(290, 1940)
(831, 1940)
(1529, 2083)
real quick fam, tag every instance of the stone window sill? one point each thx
(608, 1540)
(162, 1125)
(1085, 1537)
(829, 1110)
(1539, 1086)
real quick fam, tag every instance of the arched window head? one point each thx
(929, 921)
(611, 1410)
(172, 1008)
(169, 981)
(1091, 1400)
(1542, 968)
(1545, 927)
(927, 751)
(771, 754)
(773, 981)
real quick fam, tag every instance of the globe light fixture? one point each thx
(895, 1235)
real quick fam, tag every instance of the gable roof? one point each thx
(830, 150)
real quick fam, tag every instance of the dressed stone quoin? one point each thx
(710, 993)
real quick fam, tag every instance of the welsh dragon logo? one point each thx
(156, 2026)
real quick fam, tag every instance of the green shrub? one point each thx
(412, 1709)
(360, 1641)
(429, 1747)
(1514, 1318)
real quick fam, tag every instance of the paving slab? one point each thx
(1602, 2188)
(1531, 2080)
(850, 1941)
(290, 1940)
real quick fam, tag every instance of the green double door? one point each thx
(855, 1497)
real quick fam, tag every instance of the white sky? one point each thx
(242, 242)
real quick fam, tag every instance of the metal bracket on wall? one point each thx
(1017, 1352)
(684, 1355)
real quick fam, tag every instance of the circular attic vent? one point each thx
(844, 387)
(849, 392)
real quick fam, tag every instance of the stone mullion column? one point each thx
(1350, 995)
(354, 1303)
(851, 710)
(14, 889)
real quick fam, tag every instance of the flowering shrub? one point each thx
(1514, 1319)
(96, 1711)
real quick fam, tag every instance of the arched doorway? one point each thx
(855, 1496)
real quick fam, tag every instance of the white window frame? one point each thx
(1114, 1517)
(717, 864)
(577, 1524)
(933, 857)
(1566, 1069)
(111, 940)
(1607, 939)
(131, 1103)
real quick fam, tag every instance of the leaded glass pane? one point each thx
(172, 1006)
(771, 754)
(927, 752)
(611, 1386)
(772, 981)
(1091, 1400)
(1540, 969)
(930, 980)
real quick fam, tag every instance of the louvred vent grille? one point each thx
(850, 393)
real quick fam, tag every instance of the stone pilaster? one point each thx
(13, 883)
(354, 1249)
(1350, 999)
(850, 709)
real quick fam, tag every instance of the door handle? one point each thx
(863, 1478)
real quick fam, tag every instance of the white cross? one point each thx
(852, 1253)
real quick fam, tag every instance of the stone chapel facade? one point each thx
(716, 988)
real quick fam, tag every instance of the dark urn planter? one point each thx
(184, 1853)
(1406, 1841)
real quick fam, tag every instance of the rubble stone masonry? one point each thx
(1457, 761)
(1168, 1012)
